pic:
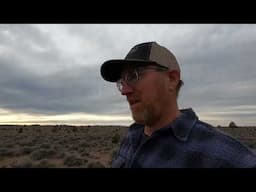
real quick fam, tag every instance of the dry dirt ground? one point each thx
(59, 146)
(64, 146)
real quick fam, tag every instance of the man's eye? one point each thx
(140, 70)
(132, 76)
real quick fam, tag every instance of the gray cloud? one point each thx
(77, 90)
(54, 69)
(220, 71)
(36, 81)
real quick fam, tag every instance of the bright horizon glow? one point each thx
(8, 117)
(214, 118)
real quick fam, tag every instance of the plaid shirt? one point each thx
(185, 143)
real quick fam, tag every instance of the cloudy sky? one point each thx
(50, 74)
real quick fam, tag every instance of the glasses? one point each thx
(132, 76)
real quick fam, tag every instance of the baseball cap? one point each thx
(142, 54)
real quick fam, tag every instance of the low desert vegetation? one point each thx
(58, 146)
(62, 146)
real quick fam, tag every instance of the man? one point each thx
(162, 135)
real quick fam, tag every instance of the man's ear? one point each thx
(174, 78)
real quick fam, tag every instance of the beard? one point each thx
(146, 115)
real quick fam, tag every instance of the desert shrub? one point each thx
(45, 146)
(67, 131)
(83, 145)
(115, 139)
(72, 161)
(107, 148)
(95, 137)
(74, 129)
(96, 164)
(43, 154)
(114, 153)
(73, 140)
(27, 150)
(45, 164)
(73, 148)
(18, 152)
(232, 124)
(81, 150)
(20, 130)
(38, 130)
(9, 145)
(61, 155)
(29, 143)
(6, 152)
(61, 142)
(85, 154)
(26, 164)
(54, 129)
(252, 145)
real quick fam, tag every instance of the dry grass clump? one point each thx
(96, 164)
(43, 154)
(7, 152)
(27, 150)
(116, 138)
(45, 164)
(72, 161)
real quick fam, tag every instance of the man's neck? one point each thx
(150, 129)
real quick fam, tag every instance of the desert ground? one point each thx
(59, 146)
(63, 146)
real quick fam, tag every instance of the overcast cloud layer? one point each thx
(55, 69)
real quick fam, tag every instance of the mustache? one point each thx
(132, 100)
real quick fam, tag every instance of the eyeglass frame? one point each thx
(137, 71)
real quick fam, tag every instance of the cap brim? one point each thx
(111, 69)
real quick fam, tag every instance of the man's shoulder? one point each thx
(133, 133)
(135, 128)
(220, 145)
(207, 133)
(135, 125)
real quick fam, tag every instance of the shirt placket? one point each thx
(139, 150)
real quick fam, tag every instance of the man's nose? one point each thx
(126, 89)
